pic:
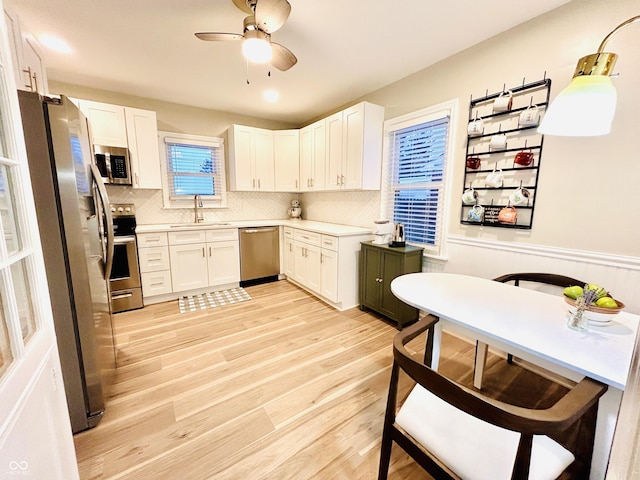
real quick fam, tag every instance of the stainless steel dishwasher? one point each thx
(259, 255)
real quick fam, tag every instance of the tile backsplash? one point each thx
(348, 208)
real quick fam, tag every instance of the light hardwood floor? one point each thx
(278, 387)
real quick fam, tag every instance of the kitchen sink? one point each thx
(200, 224)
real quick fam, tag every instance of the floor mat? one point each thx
(203, 301)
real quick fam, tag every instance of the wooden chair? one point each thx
(454, 432)
(543, 278)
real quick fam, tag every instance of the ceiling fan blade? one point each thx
(242, 5)
(218, 37)
(271, 14)
(283, 58)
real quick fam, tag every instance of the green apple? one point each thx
(574, 291)
(600, 292)
(607, 302)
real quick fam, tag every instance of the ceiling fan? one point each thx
(266, 16)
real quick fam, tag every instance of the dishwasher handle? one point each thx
(258, 230)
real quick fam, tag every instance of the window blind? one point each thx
(417, 156)
(193, 169)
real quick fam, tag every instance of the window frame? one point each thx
(208, 201)
(445, 109)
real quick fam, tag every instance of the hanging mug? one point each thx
(508, 215)
(524, 158)
(498, 141)
(475, 127)
(529, 117)
(476, 214)
(504, 102)
(494, 179)
(469, 196)
(520, 196)
(473, 163)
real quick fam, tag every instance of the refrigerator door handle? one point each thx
(104, 200)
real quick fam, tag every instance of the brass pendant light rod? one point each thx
(615, 30)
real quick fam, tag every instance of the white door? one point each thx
(35, 431)
(224, 262)
(142, 137)
(286, 158)
(188, 266)
(329, 274)
(263, 159)
(335, 175)
(289, 258)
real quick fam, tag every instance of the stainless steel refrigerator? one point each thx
(76, 233)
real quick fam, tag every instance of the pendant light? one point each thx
(585, 108)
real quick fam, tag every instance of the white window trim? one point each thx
(448, 108)
(207, 201)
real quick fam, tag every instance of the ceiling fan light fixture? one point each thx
(256, 47)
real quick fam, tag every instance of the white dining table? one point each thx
(531, 325)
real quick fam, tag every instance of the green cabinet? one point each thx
(379, 265)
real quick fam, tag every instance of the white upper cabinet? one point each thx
(251, 159)
(354, 148)
(313, 159)
(126, 127)
(286, 154)
(28, 62)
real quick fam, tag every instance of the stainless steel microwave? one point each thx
(113, 163)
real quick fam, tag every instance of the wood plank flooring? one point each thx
(278, 387)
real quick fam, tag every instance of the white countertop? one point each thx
(335, 229)
(528, 320)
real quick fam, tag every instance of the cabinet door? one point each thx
(107, 124)
(314, 272)
(153, 259)
(156, 283)
(329, 274)
(318, 179)
(34, 66)
(263, 165)
(299, 263)
(392, 267)
(306, 158)
(286, 157)
(189, 267)
(335, 174)
(241, 173)
(223, 262)
(353, 122)
(371, 262)
(289, 258)
(142, 137)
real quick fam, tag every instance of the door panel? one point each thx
(188, 267)
(372, 265)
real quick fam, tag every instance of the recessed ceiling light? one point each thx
(271, 96)
(54, 43)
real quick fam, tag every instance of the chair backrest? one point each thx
(576, 410)
(546, 278)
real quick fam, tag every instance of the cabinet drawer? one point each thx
(156, 283)
(330, 243)
(153, 259)
(152, 239)
(190, 236)
(307, 237)
(222, 235)
(288, 232)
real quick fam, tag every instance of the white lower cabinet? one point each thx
(326, 265)
(189, 267)
(155, 268)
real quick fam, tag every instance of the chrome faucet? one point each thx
(198, 215)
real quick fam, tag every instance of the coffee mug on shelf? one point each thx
(529, 117)
(508, 214)
(469, 196)
(498, 141)
(473, 163)
(476, 214)
(520, 196)
(475, 127)
(494, 179)
(524, 158)
(504, 102)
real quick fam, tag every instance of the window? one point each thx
(418, 147)
(192, 165)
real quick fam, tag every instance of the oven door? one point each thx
(125, 273)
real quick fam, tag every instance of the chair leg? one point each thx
(509, 358)
(479, 363)
(389, 419)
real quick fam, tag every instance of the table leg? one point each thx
(435, 349)
(480, 362)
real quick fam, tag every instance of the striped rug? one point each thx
(203, 301)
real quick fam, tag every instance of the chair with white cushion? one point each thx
(561, 281)
(454, 432)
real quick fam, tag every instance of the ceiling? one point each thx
(345, 49)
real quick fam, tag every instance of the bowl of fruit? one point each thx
(602, 308)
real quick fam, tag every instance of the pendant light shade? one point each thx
(585, 108)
